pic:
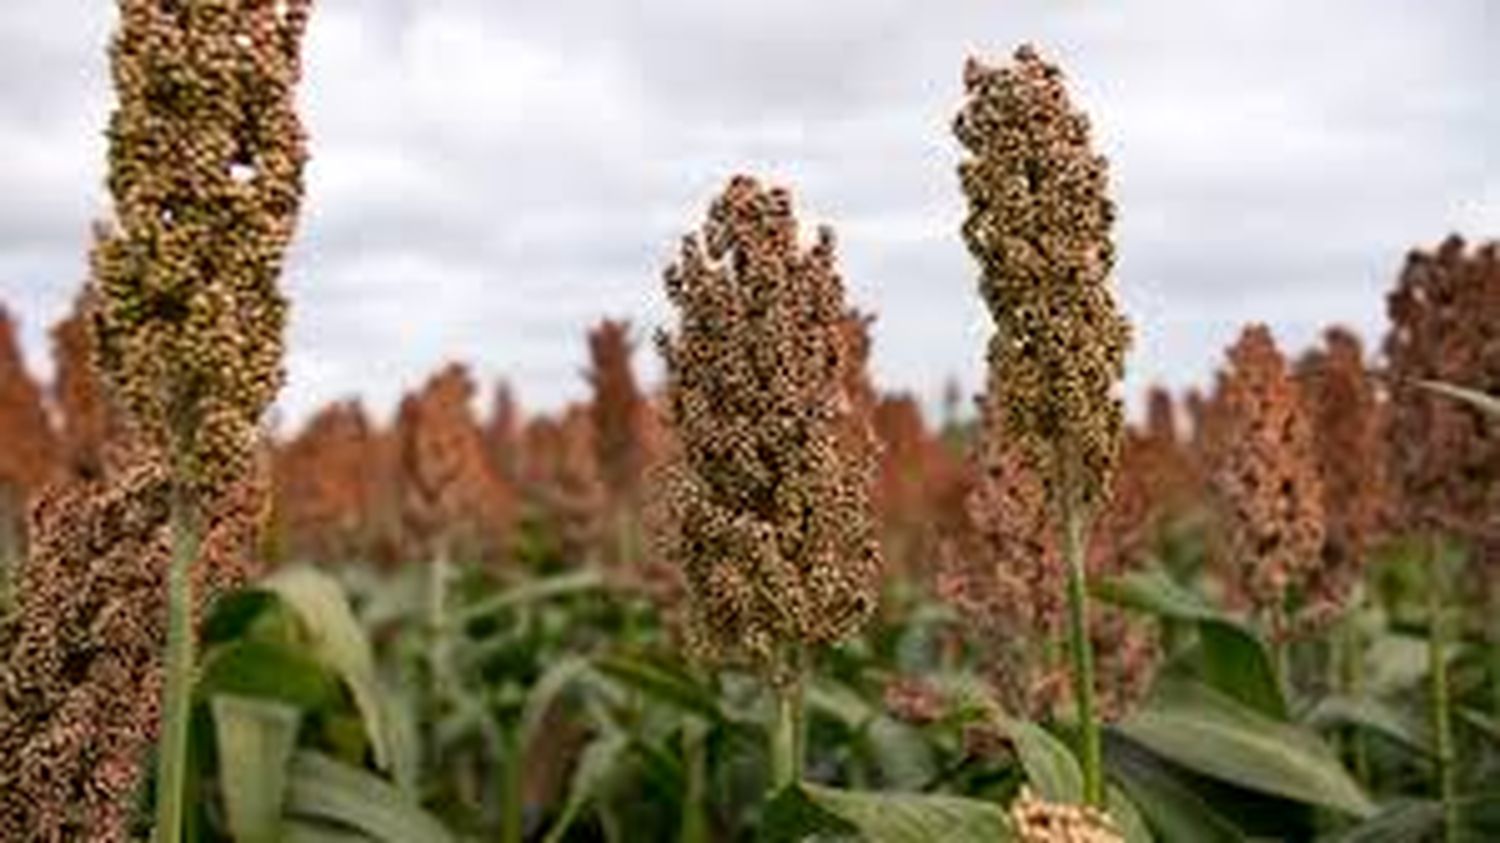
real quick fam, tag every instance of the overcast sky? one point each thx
(490, 177)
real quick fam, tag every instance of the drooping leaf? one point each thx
(1172, 807)
(323, 789)
(1127, 819)
(1481, 401)
(255, 741)
(1208, 732)
(1049, 764)
(336, 639)
(270, 671)
(533, 591)
(1371, 714)
(668, 685)
(882, 817)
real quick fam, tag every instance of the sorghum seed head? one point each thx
(768, 497)
(326, 480)
(617, 409)
(1039, 225)
(28, 459)
(1035, 820)
(205, 166)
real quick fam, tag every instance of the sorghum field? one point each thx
(767, 600)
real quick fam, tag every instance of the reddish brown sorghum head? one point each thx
(1347, 415)
(1039, 225)
(326, 484)
(1445, 326)
(205, 166)
(617, 409)
(80, 656)
(915, 487)
(914, 700)
(89, 417)
(561, 475)
(448, 491)
(768, 499)
(502, 435)
(1035, 820)
(1265, 477)
(28, 458)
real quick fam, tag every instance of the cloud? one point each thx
(488, 179)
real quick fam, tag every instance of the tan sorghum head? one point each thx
(1445, 326)
(769, 496)
(1265, 478)
(448, 489)
(1039, 225)
(205, 166)
(80, 656)
(1035, 820)
(1347, 414)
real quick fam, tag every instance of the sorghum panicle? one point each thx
(205, 166)
(28, 459)
(1036, 820)
(561, 474)
(89, 417)
(1039, 224)
(80, 659)
(1348, 424)
(1445, 326)
(1265, 475)
(502, 435)
(768, 497)
(326, 480)
(448, 491)
(617, 409)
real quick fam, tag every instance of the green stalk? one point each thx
(1437, 667)
(512, 798)
(1082, 651)
(177, 685)
(786, 735)
(694, 821)
(437, 620)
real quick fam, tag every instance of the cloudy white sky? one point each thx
(491, 176)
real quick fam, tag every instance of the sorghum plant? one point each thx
(561, 475)
(768, 496)
(89, 418)
(618, 412)
(326, 485)
(205, 167)
(1036, 820)
(502, 435)
(1445, 456)
(1265, 478)
(1347, 415)
(1039, 225)
(28, 459)
(80, 661)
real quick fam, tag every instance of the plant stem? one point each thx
(511, 795)
(177, 684)
(786, 736)
(1437, 666)
(437, 619)
(694, 826)
(1082, 651)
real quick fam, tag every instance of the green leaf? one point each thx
(1128, 820)
(882, 817)
(303, 831)
(322, 789)
(1370, 714)
(533, 591)
(255, 741)
(270, 671)
(1231, 657)
(233, 613)
(668, 685)
(1399, 822)
(338, 641)
(900, 752)
(1483, 402)
(546, 690)
(1170, 805)
(1049, 764)
(596, 768)
(1210, 733)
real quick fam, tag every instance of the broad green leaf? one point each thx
(1231, 657)
(267, 670)
(233, 613)
(1483, 402)
(1209, 732)
(1422, 819)
(1049, 764)
(338, 641)
(1127, 819)
(666, 684)
(533, 591)
(255, 740)
(882, 817)
(1371, 714)
(1169, 805)
(901, 753)
(333, 792)
(1395, 662)
(304, 831)
(840, 702)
